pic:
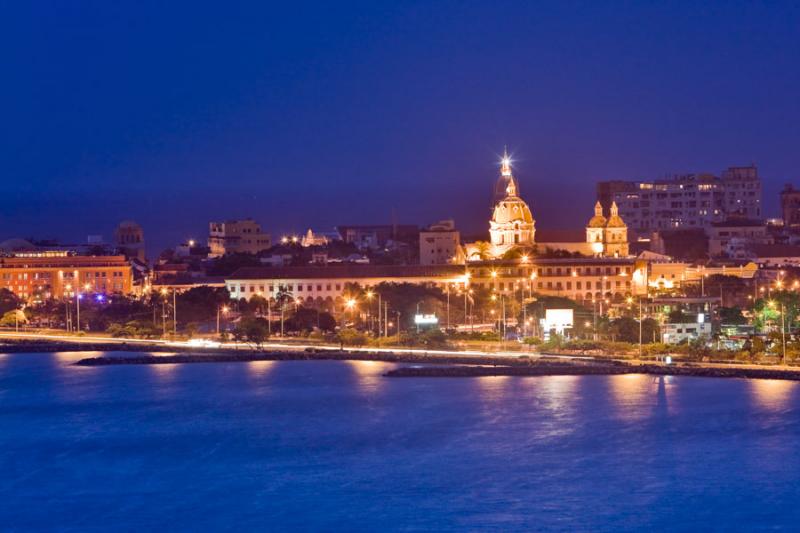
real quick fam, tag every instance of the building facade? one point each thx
(512, 224)
(581, 279)
(790, 207)
(373, 237)
(687, 201)
(734, 236)
(512, 228)
(129, 239)
(40, 278)
(439, 243)
(237, 236)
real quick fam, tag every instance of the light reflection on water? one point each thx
(260, 369)
(369, 374)
(772, 394)
(329, 445)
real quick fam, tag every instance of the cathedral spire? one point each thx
(505, 168)
(598, 209)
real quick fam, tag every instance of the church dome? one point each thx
(615, 221)
(512, 210)
(598, 220)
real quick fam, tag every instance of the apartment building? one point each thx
(687, 201)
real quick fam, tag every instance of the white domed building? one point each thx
(512, 223)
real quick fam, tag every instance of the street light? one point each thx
(223, 310)
(164, 311)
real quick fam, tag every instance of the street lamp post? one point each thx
(783, 333)
(164, 312)
(220, 310)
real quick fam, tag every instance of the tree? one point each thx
(13, 318)
(731, 316)
(253, 330)
(307, 319)
(200, 304)
(351, 337)
(8, 301)
(626, 329)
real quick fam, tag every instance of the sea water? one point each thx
(324, 446)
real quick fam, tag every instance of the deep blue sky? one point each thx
(317, 114)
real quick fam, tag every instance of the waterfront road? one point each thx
(283, 346)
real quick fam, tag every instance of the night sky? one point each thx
(312, 115)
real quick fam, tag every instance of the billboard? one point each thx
(558, 320)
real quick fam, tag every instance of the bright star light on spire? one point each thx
(505, 162)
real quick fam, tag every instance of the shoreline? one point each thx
(434, 365)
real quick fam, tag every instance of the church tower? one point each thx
(616, 233)
(607, 236)
(512, 223)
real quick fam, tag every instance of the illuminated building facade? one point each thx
(688, 201)
(582, 279)
(237, 236)
(512, 229)
(44, 277)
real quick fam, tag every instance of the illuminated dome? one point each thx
(512, 223)
(510, 210)
(598, 220)
(615, 221)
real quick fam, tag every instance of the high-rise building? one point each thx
(687, 201)
(790, 206)
(237, 236)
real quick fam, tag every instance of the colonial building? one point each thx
(512, 223)
(129, 239)
(607, 236)
(512, 228)
(46, 276)
(582, 279)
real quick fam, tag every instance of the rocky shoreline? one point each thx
(425, 364)
(569, 369)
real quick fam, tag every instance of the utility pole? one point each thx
(448, 306)
(174, 312)
(783, 333)
(640, 328)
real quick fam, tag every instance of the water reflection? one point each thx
(163, 372)
(369, 374)
(773, 394)
(260, 369)
(492, 387)
(638, 396)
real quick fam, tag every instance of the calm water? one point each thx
(332, 446)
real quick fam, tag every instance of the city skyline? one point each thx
(291, 119)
